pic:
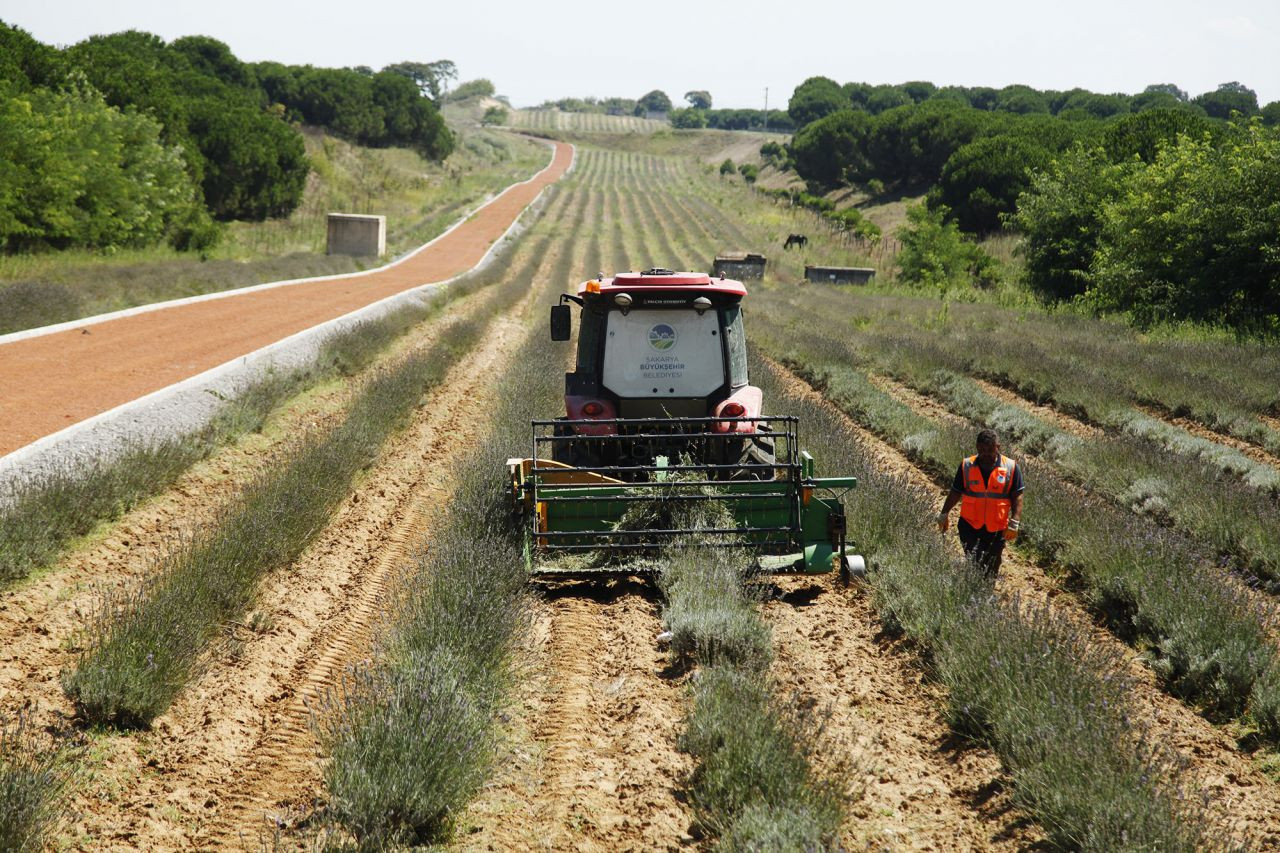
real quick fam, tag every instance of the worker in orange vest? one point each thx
(988, 487)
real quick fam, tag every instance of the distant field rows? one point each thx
(583, 122)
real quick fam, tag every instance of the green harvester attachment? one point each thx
(601, 519)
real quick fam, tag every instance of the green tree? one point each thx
(27, 63)
(212, 58)
(727, 167)
(1060, 217)
(432, 78)
(885, 98)
(76, 172)
(982, 180)
(936, 255)
(1196, 235)
(480, 88)
(749, 172)
(831, 148)
(688, 119)
(261, 164)
(1143, 135)
(1021, 100)
(699, 99)
(494, 115)
(653, 102)
(1271, 114)
(1229, 98)
(919, 90)
(815, 98)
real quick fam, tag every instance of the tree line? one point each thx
(1157, 204)
(699, 113)
(126, 140)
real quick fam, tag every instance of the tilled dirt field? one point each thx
(236, 748)
(591, 758)
(1243, 798)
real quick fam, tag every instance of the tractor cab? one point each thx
(658, 344)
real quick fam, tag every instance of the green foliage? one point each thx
(653, 102)
(1144, 134)
(494, 115)
(75, 172)
(1195, 235)
(727, 167)
(749, 172)
(480, 88)
(34, 781)
(1229, 98)
(699, 99)
(1060, 217)
(258, 165)
(747, 119)
(831, 148)
(26, 63)
(1271, 114)
(937, 256)
(431, 78)
(982, 180)
(815, 98)
(688, 119)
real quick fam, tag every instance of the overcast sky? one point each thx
(534, 52)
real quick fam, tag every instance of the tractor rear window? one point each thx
(656, 353)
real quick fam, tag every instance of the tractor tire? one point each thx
(756, 451)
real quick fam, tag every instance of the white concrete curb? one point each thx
(187, 406)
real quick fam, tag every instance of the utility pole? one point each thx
(766, 109)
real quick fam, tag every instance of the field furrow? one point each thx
(923, 788)
(1241, 797)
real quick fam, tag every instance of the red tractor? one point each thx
(659, 411)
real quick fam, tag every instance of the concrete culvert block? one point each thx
(356, 234)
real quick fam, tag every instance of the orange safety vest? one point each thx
(987, 504)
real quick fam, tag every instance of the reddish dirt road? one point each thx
(50, 382)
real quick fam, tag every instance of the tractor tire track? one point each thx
(599, 768)
(1241, 798)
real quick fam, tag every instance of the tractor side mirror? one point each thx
(561, 322)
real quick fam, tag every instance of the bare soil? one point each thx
(1241, 797)
(56, 380)
(916, 785)
(597, 767)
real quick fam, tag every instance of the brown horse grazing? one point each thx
(795, 240)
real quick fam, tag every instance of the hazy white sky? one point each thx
(534, 52)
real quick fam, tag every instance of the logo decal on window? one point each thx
(662, 337)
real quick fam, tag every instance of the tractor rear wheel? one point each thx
(755, 450)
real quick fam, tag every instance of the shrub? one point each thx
(727, 167)
(936, 255)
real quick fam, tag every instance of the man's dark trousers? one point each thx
(982, 546)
